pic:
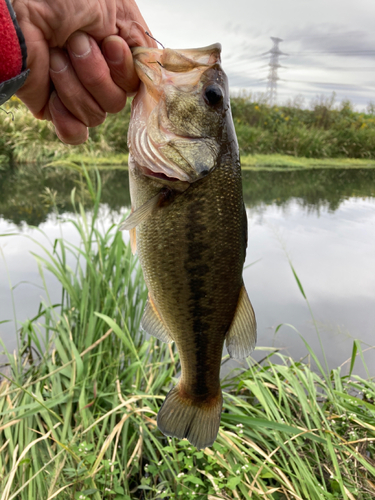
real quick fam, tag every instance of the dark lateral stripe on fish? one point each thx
(197, 269)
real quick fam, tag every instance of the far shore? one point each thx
(248, 162)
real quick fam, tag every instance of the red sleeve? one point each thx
(10, 50)
(13, 54)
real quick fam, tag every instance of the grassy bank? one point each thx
(322, 132)
(79, 400)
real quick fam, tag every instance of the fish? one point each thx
(188, 225)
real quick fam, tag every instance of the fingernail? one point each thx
(58, 105)
(80, 45)
(58, 61)
(113, 49)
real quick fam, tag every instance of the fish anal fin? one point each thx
(199, 423)
(242, 334)
(153, 324)
(133, 240)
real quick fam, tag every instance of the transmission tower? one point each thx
(274, 65)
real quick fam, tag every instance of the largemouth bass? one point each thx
(189, 227)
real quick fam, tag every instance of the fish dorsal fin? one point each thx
(242, 334)
(153, 324)
(140, 214)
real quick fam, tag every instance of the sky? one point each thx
(330, 43)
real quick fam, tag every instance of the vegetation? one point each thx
(79, 400)
(322, 132)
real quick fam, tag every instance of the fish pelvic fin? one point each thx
(153, 324)
(182, 417)
(242, 334)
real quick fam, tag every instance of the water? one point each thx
(320, 221)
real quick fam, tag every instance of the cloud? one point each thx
(331, 39)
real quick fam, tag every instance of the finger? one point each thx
(71, 91)
(36, 90)
(132, 27)
(68, 128)
(93, 72)
(120, 62)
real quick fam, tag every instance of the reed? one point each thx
(78, 402)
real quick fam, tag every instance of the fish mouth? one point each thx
(150, 61)
(181, 67)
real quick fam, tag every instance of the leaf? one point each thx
(298, 281)
(233, 481)
(91, 491)
(354, 354)
(263, 423)
(193, 479)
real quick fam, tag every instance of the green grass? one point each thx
(278, 162)
(275, 162)
(78, 403)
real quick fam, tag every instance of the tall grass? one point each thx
(79, 400)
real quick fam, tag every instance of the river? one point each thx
(321, 222)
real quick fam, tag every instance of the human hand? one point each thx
(62, 39)
(87, 85)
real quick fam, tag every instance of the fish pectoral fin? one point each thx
(153, 324)
(242, 334)
(140, 214)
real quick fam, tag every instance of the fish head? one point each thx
(180, 112)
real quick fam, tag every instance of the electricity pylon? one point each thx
(272, 75)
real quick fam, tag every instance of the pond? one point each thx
(321, 222)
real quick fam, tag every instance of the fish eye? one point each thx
(213, 95)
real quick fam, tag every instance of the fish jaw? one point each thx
(169, 134)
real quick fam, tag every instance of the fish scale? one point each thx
(192, 262)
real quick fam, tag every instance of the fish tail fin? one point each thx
(198, 421)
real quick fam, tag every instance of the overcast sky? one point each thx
(330, 43)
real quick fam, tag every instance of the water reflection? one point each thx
(29, 194)
(324, 220)
(26, 191)
(333, 254)
(315, 190)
